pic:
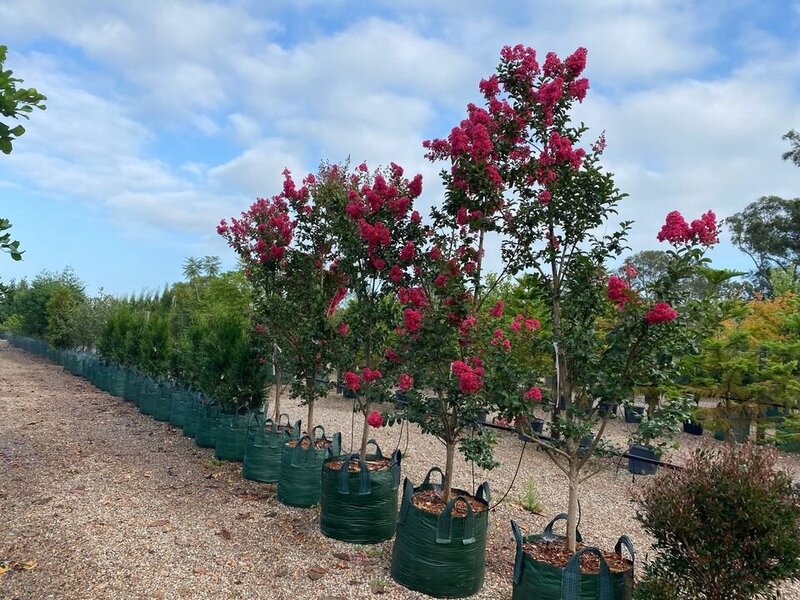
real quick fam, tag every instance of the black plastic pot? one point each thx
(607, 408)
(441, 555)
(641, 467)
(482, 416)
(534, 579)
(634, 414)
(693, 428)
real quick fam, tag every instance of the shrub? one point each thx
(531, 500)
(726, 527)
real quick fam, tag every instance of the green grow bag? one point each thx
(205, 435)
(542, 581)
(262, 458)
(132, 384)
(147, 397)
(192, 412)
(440, 555)
(163, 402)
(180, 405)
(299, 478)
(359, 507)
(118, 379)
(232, 434)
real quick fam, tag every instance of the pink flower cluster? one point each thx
(412, 320)
(497, 310)
(405, 382)
(352, 380)
(262, 234)
(533, 393)
(677, 231)
(375, 419)
(521, 321)
(470, 377)
(414, 296)
(618, 291)
(661, 312)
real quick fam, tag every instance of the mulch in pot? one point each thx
(554, 552)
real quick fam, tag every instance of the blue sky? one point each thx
(165, 116)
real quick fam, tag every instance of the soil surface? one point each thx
(98, 501)
(431, 501)
(554, 552)
(373, 464)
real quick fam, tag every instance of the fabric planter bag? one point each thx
(130, 392)
(262, 457)
(542, 581)
(299, 478)
(162, 406)
(359, 507)
(192, 411)
(440, 555)
(232, 435)
(180, 405)
(118, 382)
(147, 398)
(205, 435)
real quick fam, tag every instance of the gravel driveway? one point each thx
(98, 501)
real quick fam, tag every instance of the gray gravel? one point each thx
(112, 504)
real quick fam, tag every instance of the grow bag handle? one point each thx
(299, 451)
(484, 493)
(444, 527)
(408, 491)
(548, 530)
(378, 453)
(518, 556)
(270, 427)
(280, 419)
(571, 579)
(239, 412)
(626, 542)
(313, 432)
(335, 449)
(344, 476)
(296, 428)
(427, 480)
(397, 457)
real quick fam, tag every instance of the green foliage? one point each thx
(766, 230)
(658, 429)
(14, 103)
(793, 137)
(531, 500)
(6, 243)
(30, 300)
(59, 308)
(727, 527)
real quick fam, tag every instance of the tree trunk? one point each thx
(364, 436)
(310, 418)
(448, 472)
(572, 510)
(277, 392)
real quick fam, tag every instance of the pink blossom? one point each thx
(416, 217)
(412, 319)
(260, 328)
(533, 393)
(408, 252)
(440, 280)
(435, 253)
(352, 381)
(396, 273)
(661, 312)
(391, 355)
(532, 324)
(675, 230)
(344, 328)
(629, 270)
(575, 63)
(705, 229)
(405, 382)
(618, 291)
(469, 379)
(377, 263)
(371, 374)
(375, 419)
(497, 310)
(412, 297)
(415, 189)
(545, 197)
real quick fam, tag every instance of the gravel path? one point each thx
(111, 504)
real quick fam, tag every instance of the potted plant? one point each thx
(694, 424)
(457, 342)
(287, 245)
(378, 233)
(652, 435)
(603, 335)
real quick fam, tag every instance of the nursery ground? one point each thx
(99, 501)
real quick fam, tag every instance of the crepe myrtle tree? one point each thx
(377, 235)
(286, 246)
(523, 151)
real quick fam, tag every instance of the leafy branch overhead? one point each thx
(14, 103)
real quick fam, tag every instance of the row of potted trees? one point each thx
(420, 313)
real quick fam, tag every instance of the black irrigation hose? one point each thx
(513, 479)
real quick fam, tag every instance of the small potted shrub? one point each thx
(741, 537)
(650, 437)
(694, 425)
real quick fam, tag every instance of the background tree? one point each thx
(768, 231)
(793, 137)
